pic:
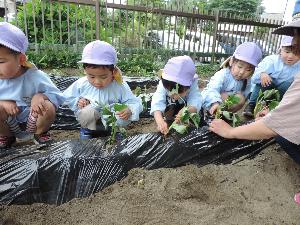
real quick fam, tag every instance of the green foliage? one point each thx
(207, 70)
(54, 58)
(223, 111)
(186, 120)
(267, 99)
(245, 8)
(140, 64)
(111, 120)
(145, 97)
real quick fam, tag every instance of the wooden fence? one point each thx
(130, 28)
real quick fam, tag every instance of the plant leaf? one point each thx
(195, 117)
(119, 107)
(180, 128)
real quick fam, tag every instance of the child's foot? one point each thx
(24, 136)
(85, 134)
(6, 142)
(44, 138)
(297, 198)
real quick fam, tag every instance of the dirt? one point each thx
(257, 191)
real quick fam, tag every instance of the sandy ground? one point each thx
(257, 191)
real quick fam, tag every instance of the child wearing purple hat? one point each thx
(274, 71)
(27, 95)
(101, 86)
(178, 87)
(234, 79)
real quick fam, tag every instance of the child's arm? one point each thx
(44, 85)
(73, 96)
(158, 102)
(265, 66)
(194, 98)
(134, 104)
(162, 126)
(212, 93)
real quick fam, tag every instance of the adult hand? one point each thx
(265, 80)
(221, 128)
(214, 108)
(262, 113)
(82, 102)
(10, 107)
(124, 114)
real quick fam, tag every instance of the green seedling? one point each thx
(267, 99)
(186, 120)
(223, 111)
(111, 120)
(143, 95)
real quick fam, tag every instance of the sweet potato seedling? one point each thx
(223, 111)
(267, 99)
(111, 120)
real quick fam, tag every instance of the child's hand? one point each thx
(38, 104)
(177, 117)
(265, 79)
(214, 108)
(10, 107)
(162, 126)
(82, 102)
(124, 114)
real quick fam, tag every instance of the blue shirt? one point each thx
(159, 103)
(276, 69)
(21, 90)
(223, 82)
(113, 93)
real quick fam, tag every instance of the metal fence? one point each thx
(137, 27)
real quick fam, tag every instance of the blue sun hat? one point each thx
(101, 53)
(180, 69)
(248, 52)
(13, 38)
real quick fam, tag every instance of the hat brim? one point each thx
(95, 62)
(10, 46)
(290, 29)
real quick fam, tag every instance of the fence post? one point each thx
(97, 19)
(213, 58)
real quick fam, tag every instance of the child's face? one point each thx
(241, 70)
(10, 66)
(175, 96)
(99, 77)
(287, 56)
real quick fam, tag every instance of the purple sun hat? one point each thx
(13, 38)
(180, 69)
(99, 53)
(248, 52)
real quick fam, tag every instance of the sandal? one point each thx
(297, 198)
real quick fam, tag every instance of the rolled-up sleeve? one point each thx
(285, 119)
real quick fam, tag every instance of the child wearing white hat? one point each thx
(102, 85)
(178, 74)
(27, 95)
(274, 71)
(234, 79)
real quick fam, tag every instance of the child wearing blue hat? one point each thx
(274, 71)
(234, 79)
(179, 74)
(102, 85)
(27, 95)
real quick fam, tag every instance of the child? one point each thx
(234, 79)
(27, 95)
(101, 86)
(178, 87)
(274, 71)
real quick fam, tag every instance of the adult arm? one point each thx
(253, 131)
